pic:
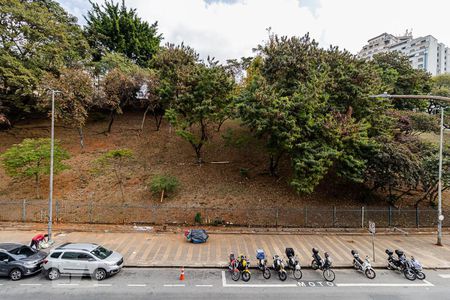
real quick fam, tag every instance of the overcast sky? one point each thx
(231, 28)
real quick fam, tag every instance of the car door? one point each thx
(4, 266)
(87, 263)
(69, 263)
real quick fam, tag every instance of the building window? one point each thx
(420, 59)
(420, 66)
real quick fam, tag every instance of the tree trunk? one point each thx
(162, 195)
(273, 165)
(143, 118)
(38, 193)
(111, 121)
(80, 133)
(119, 180)
(158, 121)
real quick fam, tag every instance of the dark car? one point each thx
(17, 260)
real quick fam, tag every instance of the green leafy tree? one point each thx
(164, 185)
(199, 106)
(115, 160)
(287, 102)
(73, 105)
(36, 37)
(31, 159)
(402, 79)
(112, 27)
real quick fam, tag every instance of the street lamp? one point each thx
(52, 143)
(441, 147)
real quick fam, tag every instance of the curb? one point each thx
(350, 267)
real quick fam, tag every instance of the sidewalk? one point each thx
(147, 249)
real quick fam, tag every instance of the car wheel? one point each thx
(99, 274)
(53, 274)
(15, 274)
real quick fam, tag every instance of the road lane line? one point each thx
(68, 284)
(31, 284)
(102, 284)
(425, 284)
(174, 285)
(224, 280)
(446, 276)
(137, 285)
(204, 285)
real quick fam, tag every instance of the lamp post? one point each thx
(441, 147)
(52, 143)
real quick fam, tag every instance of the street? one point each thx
(149, 283)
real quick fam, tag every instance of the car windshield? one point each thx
(101, 252)
(22, 252)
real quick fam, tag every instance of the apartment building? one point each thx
(425, 53)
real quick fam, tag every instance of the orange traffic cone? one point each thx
(182, 274)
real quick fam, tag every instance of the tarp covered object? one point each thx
(197, 236)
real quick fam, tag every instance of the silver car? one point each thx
(82, 259)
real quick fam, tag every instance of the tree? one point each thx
(115, 160)
(31, 158)
(35, 37)
(441, 85)
(114, 28)
(198, 106)
(120, 89)
(402, 79)
(164, 184)
(77, 90)
(148, 96)
(288, 102)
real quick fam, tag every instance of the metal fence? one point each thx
(304, 217)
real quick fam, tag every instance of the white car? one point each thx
(81, 259)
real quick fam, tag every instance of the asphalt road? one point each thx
(216, 284)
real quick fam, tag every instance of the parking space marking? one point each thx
(137, 285)
(174, 285)
(425, 284)
(31, 284)
(446, 276)
(225, 284)
(203, 285)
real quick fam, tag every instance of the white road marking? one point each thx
(137, 285)
(102, 284)
(174, 285)
(446, 276)
(68, 284)
(31, 284)
(425, 284)
(204, 285)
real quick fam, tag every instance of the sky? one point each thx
(228, 29)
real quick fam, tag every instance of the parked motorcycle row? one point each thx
(239, 266)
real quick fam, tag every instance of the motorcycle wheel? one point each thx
(235, 274)
(420, 275)
(355, 265)
(329, 275)
(370, 273)
(246, 276)
(266, 273)
(298, 274)
(282, 275)
(314, 265)
(409, 274)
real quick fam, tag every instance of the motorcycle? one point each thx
(262, 263)
(238, 266)
(323, 265)
(401, 264)
(278, 266)
(417, 268)
(293, 263)
(363, 266)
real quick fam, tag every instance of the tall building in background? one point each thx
(424, 52)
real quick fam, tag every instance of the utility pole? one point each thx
(52, 143)
(441, 147)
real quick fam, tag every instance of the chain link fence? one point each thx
(304, 217)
